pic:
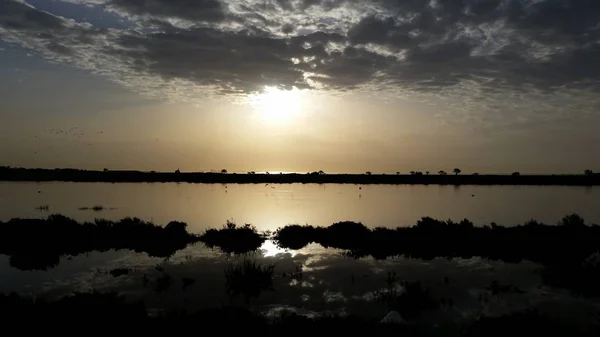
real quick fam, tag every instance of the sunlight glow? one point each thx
(276, 106)
(269, 248)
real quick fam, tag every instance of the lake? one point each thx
(271, 206)
(330, 282)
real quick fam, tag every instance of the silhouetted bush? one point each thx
(38, 244)
(233, 239)
(561, 249)
(431, 238)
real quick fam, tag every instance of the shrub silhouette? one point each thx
(233, 239)
(38, 244)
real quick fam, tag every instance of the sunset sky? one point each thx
(297, 85)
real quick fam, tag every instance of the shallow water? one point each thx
(271, 206)
(330, 283)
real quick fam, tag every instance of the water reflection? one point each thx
(313, 280)
(269, 249)
(205, 206)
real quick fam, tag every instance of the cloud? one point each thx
(203, 10)
(473, 54)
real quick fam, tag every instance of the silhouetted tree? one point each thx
(573, 220)
(368, 173)
(427, 172)
(412, 173)
(321, 172)
(418, 173)
(589, 172)
(475, 174)
(456, 171)
(177, 171)
(223, 171)
(105, 170)
(397, 173)
(442, 173)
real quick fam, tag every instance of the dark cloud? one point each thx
(231, 61)
(348, 69)
(386, 31)
(287, 28)
(203, 10)
(464, 49)
(22, 17)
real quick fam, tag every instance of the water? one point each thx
(331, 283)
(271, 206)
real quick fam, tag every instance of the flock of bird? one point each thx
(74, 131)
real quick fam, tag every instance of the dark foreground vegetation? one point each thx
(570, 240)
(568, 251)
(233, 239)
(38, 244)
(20, 174)
(112, 313)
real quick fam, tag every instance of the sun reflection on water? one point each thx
(269, 248)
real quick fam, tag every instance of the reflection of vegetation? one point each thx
(164, 281)
(528, 323)
(187, 282)
(119, 272)
(110, 312)
(97, 208)
(43, 208)
(233, 239)
(249, 279)
(35, 244)
(582, 278)
(431, 238)
(410, 300)
(78, 308)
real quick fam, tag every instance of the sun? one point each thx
(277, 106)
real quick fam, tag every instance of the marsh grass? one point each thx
(233, 239)
(249, 279)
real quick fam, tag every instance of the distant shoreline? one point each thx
(73, 175)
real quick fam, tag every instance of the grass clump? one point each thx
(233, 239)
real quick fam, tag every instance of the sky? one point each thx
(488, 86)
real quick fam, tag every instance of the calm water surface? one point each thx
(331, 283)
(271, 206)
